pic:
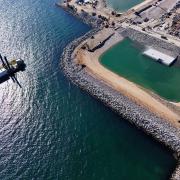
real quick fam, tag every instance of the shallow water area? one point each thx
(51, 129)
(123, 5)
(128, 61)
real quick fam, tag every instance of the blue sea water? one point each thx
(50, 129)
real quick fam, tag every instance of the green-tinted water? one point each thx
(127, 60)
(121, 5)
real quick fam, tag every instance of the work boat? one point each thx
(9, 69)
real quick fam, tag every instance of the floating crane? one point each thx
(9, 70)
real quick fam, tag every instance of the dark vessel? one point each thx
(9, 69)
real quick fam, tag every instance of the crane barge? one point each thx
(8, 69)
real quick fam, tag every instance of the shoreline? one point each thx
(143, 118)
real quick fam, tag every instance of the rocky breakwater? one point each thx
(90, 19)
(154, 126)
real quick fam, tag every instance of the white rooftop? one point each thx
(159, 56)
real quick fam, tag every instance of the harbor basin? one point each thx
(126, 59)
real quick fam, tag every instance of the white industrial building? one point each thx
(159, 56)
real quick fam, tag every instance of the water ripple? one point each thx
(50, 129)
